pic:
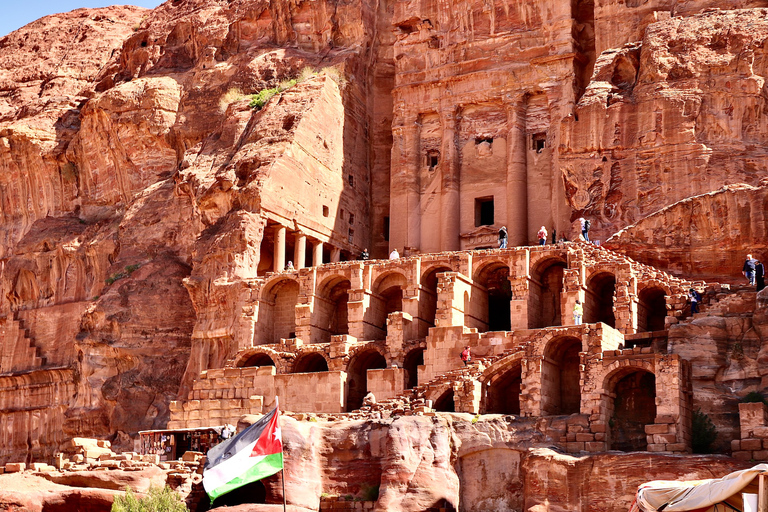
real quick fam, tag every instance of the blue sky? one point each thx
(17, 13)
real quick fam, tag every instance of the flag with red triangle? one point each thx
(255, 453)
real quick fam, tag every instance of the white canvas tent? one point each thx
(713, 495)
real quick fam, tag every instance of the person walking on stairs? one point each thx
(695, 299)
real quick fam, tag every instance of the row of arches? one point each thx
(357, 368)
(488, 307)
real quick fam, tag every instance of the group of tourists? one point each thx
(754, 271)
(542, 234)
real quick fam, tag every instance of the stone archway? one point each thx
(651, 309)
(492, 305)
(277, 311)
(387, 298)
(311, 362)
(560, 375)
(428, 296)
(544, 294)
(411, 363)
(503, 391)
(632, 408)
(258, 359)
(357, 376)
(598, 304)
(445, 403)
(329, 317)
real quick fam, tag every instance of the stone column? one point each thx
(450, 229)
(317, 254)
(279, 255)
(300, 250)
(335, 255)
(404, 209)
(517, 174)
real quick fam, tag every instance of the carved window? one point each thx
(480, 140)
(351, 235)
(326, 211)
(351, 218)
(538, 141)
(484, 211)
(351, 181)
(433, 158)
(386, 229)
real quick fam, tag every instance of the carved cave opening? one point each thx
(504, 392)
(495, 280)
(651, 309)
(598, 304)
(633, 407)
(544, 295)
(560, 390)
(357, 376)
(411, 363)
(310, 363)
(257, 360)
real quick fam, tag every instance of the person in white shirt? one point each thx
(394, 254)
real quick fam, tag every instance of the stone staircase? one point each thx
(19, 351)
(734, 301)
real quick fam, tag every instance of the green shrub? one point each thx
(261, 98)
(753, 396)
(157, 500)
(703, 432)
(130, 269)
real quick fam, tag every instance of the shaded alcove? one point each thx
(277, 312)
(310, 363)
(445, 402)
(560, 390)
(504, 392)
(651, 309)
(598, 305)
(633, 407)
(357, 377)
(491, 302)
(428, 298)
(330, 314)
(260, 359)
(411, 363)
(387, 298)
(544, 294)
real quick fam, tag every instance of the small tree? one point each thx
(157, 500)
(703, 432)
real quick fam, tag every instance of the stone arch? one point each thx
(444, 401)
(310, 362)
(365, 359)
(428, 296)
(630, 405)
(599, 298)
(560, 375)
(651, 308)
(277, 310)
(330, 314)
(546, 286)
(491, 297)
(387, 297)
(259, 356)
(502, 382)
(413, 359)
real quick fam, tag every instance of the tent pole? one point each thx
(283, 479)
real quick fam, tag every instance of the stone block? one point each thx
(600, 436)
(15, 467)
(595, 446)
(581, 437)
(751, 444)
(666, 418)
(736, 445)
(574, 447)
(598, 427)
(760, 455)
(677, 447)
(657, 447)
(656, 429)
(664, 438)
(742, 455)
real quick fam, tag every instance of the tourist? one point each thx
(760, 276)
(749, 269)
(394, 255)
(542, 234)
(585, 225)
(364, 255)
(578, 312)
(466, 356)
(695, 299)
(289, 266)
(503, 237)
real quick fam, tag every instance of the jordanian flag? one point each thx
(255, 453)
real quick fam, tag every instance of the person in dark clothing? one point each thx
(749, 269)
(760, 276)
(585, 225)
(364, 254)
(503, 237)
(695, 299)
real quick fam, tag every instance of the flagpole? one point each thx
(282, 451)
